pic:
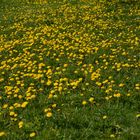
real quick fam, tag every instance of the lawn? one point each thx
(69, 70)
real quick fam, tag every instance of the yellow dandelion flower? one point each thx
(95, 75)
(98, 83)
(49, 114)
(105, 81)
(2, 134)
(5, 106)
(138, 116)
(50, 96)
(84, 103)
(47, 109)
(121, 85)
(87, 84)
(104, 117)
(1, 79)
(49, 82)
(24, 104)
(60, 89)
(54, 105)
(12, 113)
(11, 107)
(137, 88)
(33, 96)
(117, 95)
(20, 124)
(91, 99)
(65, 65)
(32, 134)
(137, 85)
(107, 98)
(19, 96)
(128, 94)
(112, 136)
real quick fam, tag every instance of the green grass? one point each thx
(69, 70)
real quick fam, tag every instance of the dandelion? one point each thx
(47, 109)
(20, 96)
(138, 116)
(49, 114)
(94, 75)
(128, 94)
(112, 136)
(11, 108)
(91, 99)
(2, 133)
(20, 124)
(49, 82)
(32, 134)
(137, 88)
(104, 117)
(65, 65)
(87, 84)
(84, 103)
(117, 95)
(99, 84)
(54, 105)
(50, 96)
(121, 85)
(5, 106)
(12, 113)
(24, 104)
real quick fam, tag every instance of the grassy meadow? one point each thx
(70, 70)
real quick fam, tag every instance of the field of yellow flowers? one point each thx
(69, 70)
